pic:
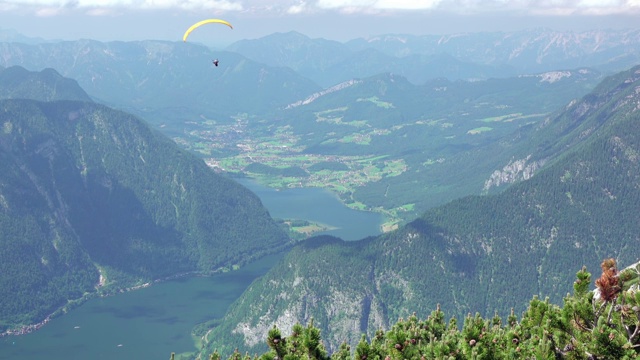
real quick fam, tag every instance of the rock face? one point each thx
(516, 170)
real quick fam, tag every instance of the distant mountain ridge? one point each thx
(533, 50)
(551, 139)
(330, 62)
(478, 253)
(164, 82)
(10, 35)
(175, 88)
(93, 200)
(454, 56)
(47, 85)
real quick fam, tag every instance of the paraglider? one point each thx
(200, 23)
(203, 22)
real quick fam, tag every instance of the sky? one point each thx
(341, 20)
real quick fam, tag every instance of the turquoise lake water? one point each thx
(317, 205)
(151, 323)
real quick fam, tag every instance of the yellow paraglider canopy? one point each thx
(200, 23)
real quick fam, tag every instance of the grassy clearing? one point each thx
(359, 139)
(377, 102)
(479, 130)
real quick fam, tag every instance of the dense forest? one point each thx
(581, 207)
(47, 85)
(430, 127)
(92, 200)
(600, 324)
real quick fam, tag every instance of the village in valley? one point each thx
(233, 148)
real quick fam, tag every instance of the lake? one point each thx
(149, 323)
(153, 322)
(319, 206)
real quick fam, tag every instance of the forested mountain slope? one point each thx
(447, 136)
(92, 199)
(17, 82)
(390, 133)
(598, 324)
(166, 83)
(480, 253)
(545, 141)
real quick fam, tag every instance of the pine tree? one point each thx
(599, 324)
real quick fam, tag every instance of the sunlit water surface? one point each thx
(149, 323)
(153, 322)
(320, 206)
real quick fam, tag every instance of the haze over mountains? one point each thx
(452, 56)
(145, 69)
(93, 198)
(174, 87)
(164, 81)
(480, 253)
(450, 136)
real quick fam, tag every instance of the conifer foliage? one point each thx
(594, 325)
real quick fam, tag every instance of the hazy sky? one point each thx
(341, 20)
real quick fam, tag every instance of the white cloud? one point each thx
(184, 4)
(378, 4)
(293, 7)
(548, 7)
(48, 11)
(599, 3)
(101, 12)
(338, 4)
(584, 7)
(407, 4)
(51, 7)
(297, 9)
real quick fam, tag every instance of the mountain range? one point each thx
(258, 75)
(453, 132)
(454, 56)
(481, 254)
(92, 200)
(166, 83)
(451, 136)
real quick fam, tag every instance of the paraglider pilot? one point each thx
(215, 62)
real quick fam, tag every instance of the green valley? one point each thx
(484, 254)
(369, 149)
(493, 186)
(391, 127)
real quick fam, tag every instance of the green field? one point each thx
(373, 141)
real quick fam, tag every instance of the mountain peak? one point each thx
(17, 82)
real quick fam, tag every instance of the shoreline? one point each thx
(73, 303)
